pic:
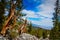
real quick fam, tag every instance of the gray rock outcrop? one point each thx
(25, 36)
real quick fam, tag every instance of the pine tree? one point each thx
(2, 12)
(12, 16)
(30, 27)
(55, 33)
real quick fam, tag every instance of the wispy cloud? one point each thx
(43, 16)
(47, 8)
(45, 23)
(29, 13)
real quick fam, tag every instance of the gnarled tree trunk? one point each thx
(22, 28)
(5, 27)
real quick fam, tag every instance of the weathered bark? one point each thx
(19, 29)
(22, 28)
(12, 10)
(14, 22)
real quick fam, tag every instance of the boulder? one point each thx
(26, 36)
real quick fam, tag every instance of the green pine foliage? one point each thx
(36, 31)
(2, 12)
(55, 32)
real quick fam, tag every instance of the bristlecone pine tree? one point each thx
(14, 8)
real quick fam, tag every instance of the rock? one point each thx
(26, 36)
(2, 38)
(44, 39)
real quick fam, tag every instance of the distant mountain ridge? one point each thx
(38, 26)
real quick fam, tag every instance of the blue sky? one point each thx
(39, 12)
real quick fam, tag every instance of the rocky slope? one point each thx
(25, 36)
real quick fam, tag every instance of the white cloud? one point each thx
(49, 2)
(46, 9)
(29, 13)
(45, 23)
